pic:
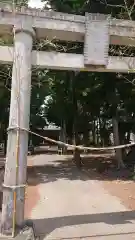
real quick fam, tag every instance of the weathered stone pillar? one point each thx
(15, 174)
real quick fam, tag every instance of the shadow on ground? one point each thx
(44, 227)
(95, 167)
(104, 167)
(63, 169)
(49, 151)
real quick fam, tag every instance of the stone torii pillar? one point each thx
(15, 173)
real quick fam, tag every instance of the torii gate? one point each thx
(95, 30)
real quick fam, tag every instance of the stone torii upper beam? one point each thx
(63, 26)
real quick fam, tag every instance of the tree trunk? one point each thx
(93, 133)
(76, 140)
(64, 148)
(118, 152)
(86, 137)
(76, 152)
(77, 158)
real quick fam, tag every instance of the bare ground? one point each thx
(101, 167)
(118, 182)
(32, 194)
(64, 202)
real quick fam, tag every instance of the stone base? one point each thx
(25, 233)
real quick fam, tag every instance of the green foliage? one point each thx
(39, 90)
(81, 100)
(17, 3)
(117, 8)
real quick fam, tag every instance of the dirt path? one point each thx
(67, 204)
(117, 183)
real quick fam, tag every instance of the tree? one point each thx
(17, 3)
(109, 87)
(5, 72)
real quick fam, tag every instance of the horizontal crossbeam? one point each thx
(65, 26)
(68, 61)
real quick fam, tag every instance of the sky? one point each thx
(36, 3)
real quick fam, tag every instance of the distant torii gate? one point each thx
(97, 31)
